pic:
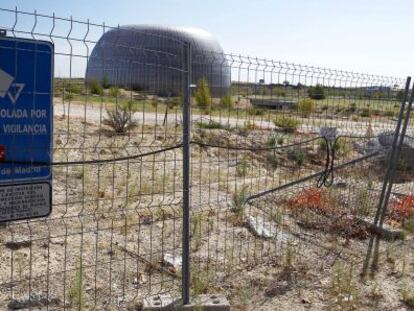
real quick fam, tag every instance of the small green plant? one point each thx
(277, 215)
(316, 92)
(362, 202)
(95, 88)
(76, 298)
(306, 107)
(68, 97)
(274, 140)
(288, 124)
(290, 256)
(196, 231)
(409, 224)
(114, 91)
(365, 113)
(407, 295)
(105, 82)
(343, 290)
(211, 125)
(203, 95)
(226, 102)
(242, 168)
(120, 117)
(75, 88)
(239, 201)
(299, 156)
(199, 280)
(273, 160)
(253, 111)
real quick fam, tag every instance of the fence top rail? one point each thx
(253, 63)
(231, 60)
(105, 27)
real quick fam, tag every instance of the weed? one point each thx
(226, 102)
(343, 291)
(253, 111)
(244, 296)
(306, 107)
(114, 91)
(95, 88)
(299, 156)
(239, 201)
(362, 202)
(287, 124)
(274, 140)
(199, 280)
(290, 257)
(203, 95)
(407, 295)
(120, 118)
(76, 288)
(365, 113)
(409, 224)
(242, 168)
(250, 126)
(211, 125)
(273, 160)
(196, 231)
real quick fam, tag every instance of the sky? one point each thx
(369, 36)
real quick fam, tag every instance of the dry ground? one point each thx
(103, 246)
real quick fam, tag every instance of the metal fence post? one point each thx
(389, 175)
(186, 176)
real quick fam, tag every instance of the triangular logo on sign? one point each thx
(18, 90)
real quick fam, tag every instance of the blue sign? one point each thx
(26, 115)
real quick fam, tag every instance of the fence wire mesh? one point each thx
(287, 166)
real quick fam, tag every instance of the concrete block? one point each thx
(211, 302)
(158, 303)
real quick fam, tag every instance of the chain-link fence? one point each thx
(180, 169)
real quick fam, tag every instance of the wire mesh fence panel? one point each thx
(287, 169)
(114, 235)
(286, 172)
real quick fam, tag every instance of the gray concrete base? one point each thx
(212, 302)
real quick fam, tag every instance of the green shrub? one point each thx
(239, 201)
(211, 125)
(274, 140)
(95, 88)
(226, 102)
(288, 124)
(306, 107)
(242, 168)
(120, 117)
(299, 156)
(105, 82)
(365, 113)
(316, 92)
(253, 111)
(203, 95)
(67, 97)
(75, 89)
(114, 91)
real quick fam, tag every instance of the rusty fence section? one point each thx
(179, 171)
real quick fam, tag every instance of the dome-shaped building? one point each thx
(151, 58)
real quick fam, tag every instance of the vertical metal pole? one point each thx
(394, 164)
(387, 178)
(186, 176)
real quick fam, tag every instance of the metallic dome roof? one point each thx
(152, 58)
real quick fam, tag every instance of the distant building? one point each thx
(151, 58)
(274, 103)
